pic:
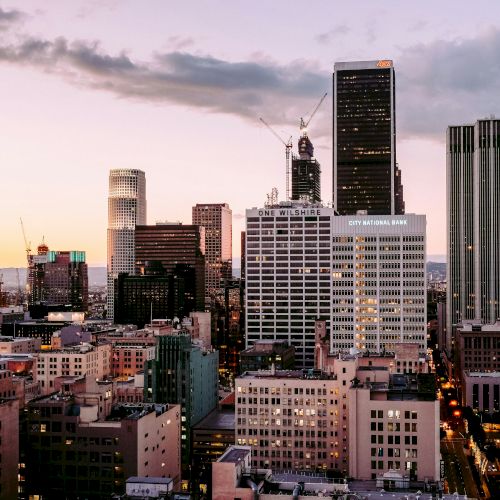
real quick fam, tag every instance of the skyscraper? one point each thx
(473, 184)
(180, 249)
(364, 275)
(126, 209)
(306, 171)
(365, 173)
(216, 218)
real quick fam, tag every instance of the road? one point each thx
(457, 471)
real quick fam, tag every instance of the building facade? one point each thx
(216, 218)
(181, 251)
(394, 430)
(126, 209)
(299, 256)
(473, 263)
(186, 374)
(70, 451)
(80, 360)
(58, 278)
(365, 173)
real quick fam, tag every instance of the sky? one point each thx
(177, 88)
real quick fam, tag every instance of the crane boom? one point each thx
(288, 146)
(304, 125)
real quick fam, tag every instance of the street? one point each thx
(458, 475)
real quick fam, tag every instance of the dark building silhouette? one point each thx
(306, 173)
(365, 173)
(181, 251)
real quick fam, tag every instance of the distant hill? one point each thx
(97, 276)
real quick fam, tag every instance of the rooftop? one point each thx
(219, 420)
(149, 480)
(290, 374)
(235, 454)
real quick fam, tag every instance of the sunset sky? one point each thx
(177, 88)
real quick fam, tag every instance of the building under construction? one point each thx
(306, 173)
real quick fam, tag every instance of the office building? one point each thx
(211, 437)
(216, 218)
(397, 430)
(365, 173)
(58, 278)
(379, 284)
(299, 256)
(183, 373)
(473, 263)
(75, 450)
(126, 209)
(306, 173)
(181, 251)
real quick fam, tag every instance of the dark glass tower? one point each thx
(365, 173)
(306, 173)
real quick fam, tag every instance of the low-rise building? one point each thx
(19, 345)
(481, 390)
(394, 428)
(73, 449)
(211, 437)
(264, 353)
(82, 359)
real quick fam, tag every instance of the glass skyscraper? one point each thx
(365, 174)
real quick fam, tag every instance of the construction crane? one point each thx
(288, 147)
(27, 247)
(304, 125)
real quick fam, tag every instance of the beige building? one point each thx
(311, 419)
(394, 429)
(83, 359)
(295, 419)
(19, 345)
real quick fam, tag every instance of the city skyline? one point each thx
(85, 97)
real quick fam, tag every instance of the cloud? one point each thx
(180, 42)
(327, 37)
(447, 83)
(9, 17)
(247, 89)
(438, 84)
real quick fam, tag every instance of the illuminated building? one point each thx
(365, 173)
(79, 444)
(180, 249)
(306, 173)
(216, 218)
(58, 278)
(365, 275)
(379, 290)
(126, 209)
(187, 374)
(473, 263)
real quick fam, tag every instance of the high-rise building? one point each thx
(365, 173)
(58, 278)
(216, 218)
(126, 209)
(181, 250)
(300, 256)
(183, 373)
(473, 184)
(306, 172)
